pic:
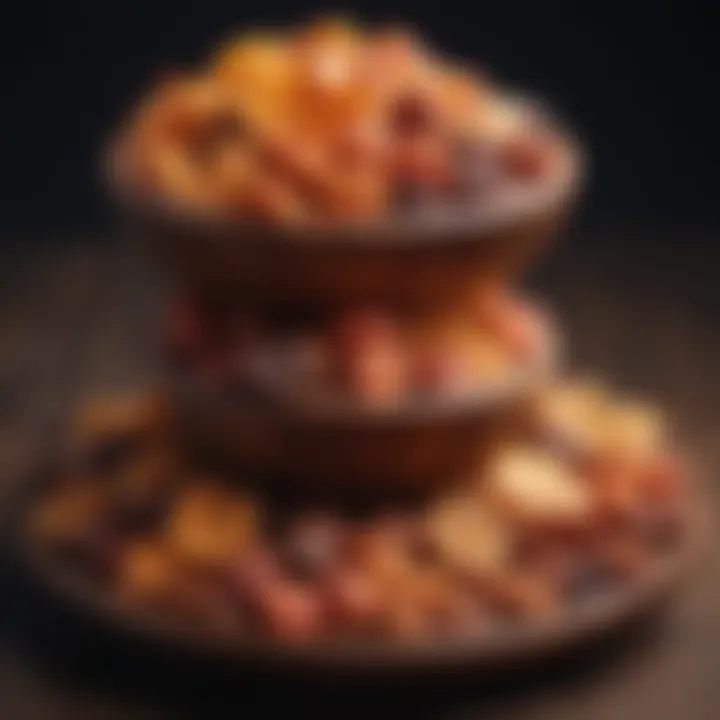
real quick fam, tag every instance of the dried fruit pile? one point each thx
(334, 122)
(581, 505)
(417, 522)
(373, 357)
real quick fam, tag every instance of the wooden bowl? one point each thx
(418, 447)
(438, 258)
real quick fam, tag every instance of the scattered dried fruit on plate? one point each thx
(536, 488)
(66, 517)
(467, 534)
(149, 573)
(634, 431)
(207, 525)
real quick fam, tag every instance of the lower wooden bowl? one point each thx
(415, 448)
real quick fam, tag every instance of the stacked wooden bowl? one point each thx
(436, 261)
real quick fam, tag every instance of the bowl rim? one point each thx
(446, 227)
(542, 363)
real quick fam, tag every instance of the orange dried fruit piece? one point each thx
(575, 410)
(533, 487)
(208, 525)
(257, 59)
(69, 513)
(351, 599)
(527, 594)
(634, 431)
(119, 416)
(148, 572)
(179, 110)
(468, 535)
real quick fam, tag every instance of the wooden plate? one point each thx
(501, 649)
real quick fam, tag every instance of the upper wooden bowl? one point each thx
(433, 258)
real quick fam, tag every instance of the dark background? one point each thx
(634, 77)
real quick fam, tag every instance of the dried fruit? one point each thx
(149, 573)
(326, 122)
(210, 526)
(533, 487)
(67, 515)
(633, 431)
(291, 612)
(352, 600)
(468, 535)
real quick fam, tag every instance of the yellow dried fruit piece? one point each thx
(259, 57)
(634, 431)
(534, 487)
(148, 572)
(576, 410)
(469, 535)
(209, 525)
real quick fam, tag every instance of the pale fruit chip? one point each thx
(634, 430)
(498, 119)
(575, 410)
(534, 486)
(469, 535)
(207, 525)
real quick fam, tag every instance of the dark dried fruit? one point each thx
(291, 612)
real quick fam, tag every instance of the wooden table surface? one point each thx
(77, 318)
